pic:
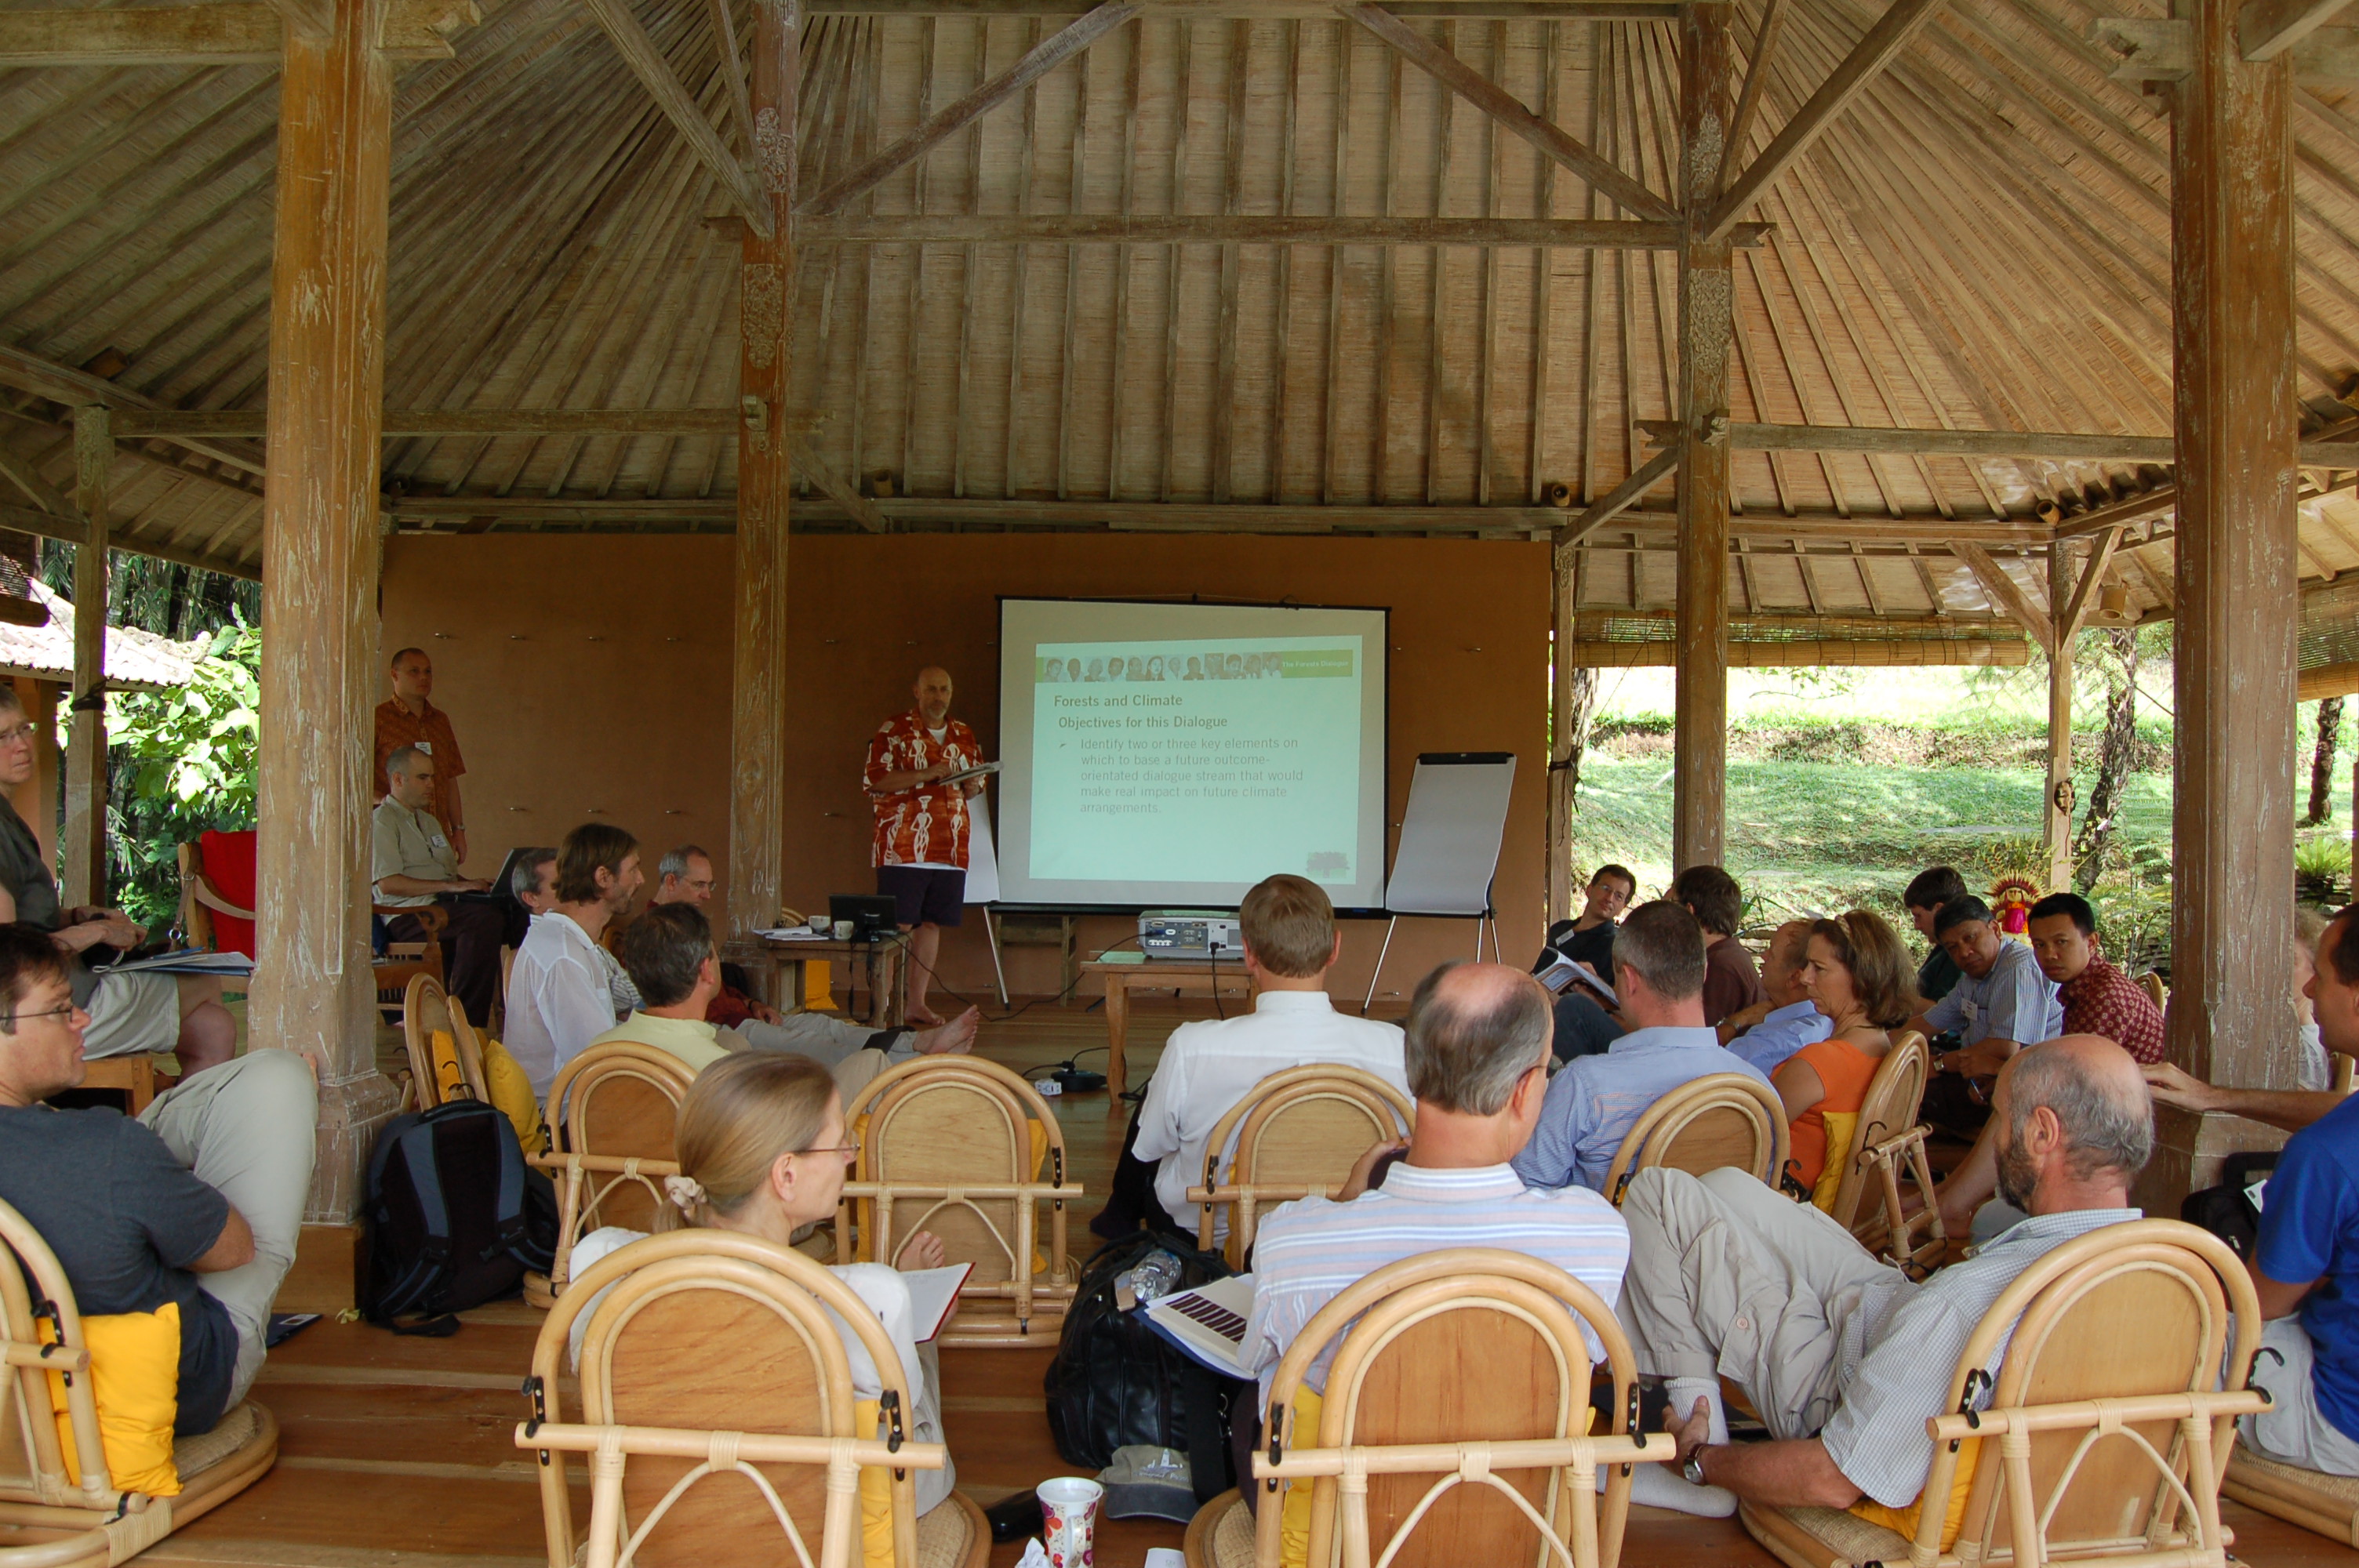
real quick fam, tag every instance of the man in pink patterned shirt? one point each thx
(919, 850)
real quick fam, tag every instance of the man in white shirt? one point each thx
(558, 999)
(1770, 1030)
(1290, 943)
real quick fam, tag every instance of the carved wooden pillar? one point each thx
(312, 983)
(2232, 1015)
(757, 734)
(1700, 691)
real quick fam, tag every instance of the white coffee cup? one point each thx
(818, 923)
(844, 931)
(1068, 1519)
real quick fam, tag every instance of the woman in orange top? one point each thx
(1857, 974)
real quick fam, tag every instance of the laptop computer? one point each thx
(872, 913)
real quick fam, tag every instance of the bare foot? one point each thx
(954, 1038)
(923, 1250)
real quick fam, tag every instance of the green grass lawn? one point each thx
(1828, 837)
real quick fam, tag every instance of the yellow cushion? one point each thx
(449, 1077)
(135, 1379)
(1842, 1126)
(864, 1215)
(875, 1496)
(1903, 1521)
(512, 1094)
(819, 993)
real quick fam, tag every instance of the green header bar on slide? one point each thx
(1315, 663)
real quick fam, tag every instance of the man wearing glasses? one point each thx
(128, 1013)
(189, 1213)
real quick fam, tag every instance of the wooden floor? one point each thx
(399, 1453)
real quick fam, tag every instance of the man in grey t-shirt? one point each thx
(193, 1209)
(2003, 1000)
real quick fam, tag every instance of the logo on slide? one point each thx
(1329, 865)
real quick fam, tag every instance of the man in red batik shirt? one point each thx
(2098, 998)
(919, 851)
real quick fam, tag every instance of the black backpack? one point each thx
(1116, 1382)
(2227, 1211)
(452, 1218)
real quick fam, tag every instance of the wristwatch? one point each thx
(1693, 1468)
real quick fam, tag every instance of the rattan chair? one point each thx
(2111, 1421)
(1887, 1142)
(718, 1411)
(612, 1111)
(2311, 1499)
(1454, 1428)
(1297, 1134)
(946, 1147)
(48, 1519)
(1721, 1118)
(427, 1010)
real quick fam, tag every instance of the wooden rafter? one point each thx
(655, 73)
(733, 73)
(1502, 107)
(310, 18)
(63, 384)
(1886, 39)
(1042, 59)
(1620, 499)
(2093, 576)
(72, 530)
(2063, 446)
(1276, 10)
(2005, 593)
(1211, 229)
(232, 32)
(2267, 29)
(39, 490)
(1756, 80)
(835, 487)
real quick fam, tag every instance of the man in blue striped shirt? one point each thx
(1477, 1052)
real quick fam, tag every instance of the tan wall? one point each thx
(592, 675)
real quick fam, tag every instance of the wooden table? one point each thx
(885, 958)
(1180, 977)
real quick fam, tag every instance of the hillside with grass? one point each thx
(1843, 783)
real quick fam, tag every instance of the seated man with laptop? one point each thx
(413, 866)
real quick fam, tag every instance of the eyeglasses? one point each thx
(14, 1018)
(22, 733)
(835, 1149)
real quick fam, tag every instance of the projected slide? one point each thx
(1161, 755)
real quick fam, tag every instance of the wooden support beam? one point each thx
(1217, 229)
(655, 73)
(2325, 451)
(20, 472)
(2330, 54)
(732, 71)
(2236, 577)
(835, 487)
(2093, 577)
(1706, 324)
(2006, 594)
(2055, 801)
(83, 850)
(227, 32)
(1271, 10)
(759, 658)
(1886, 39)
(307, 19)
(1757, 81)
(29, 372)
(1501, 105)
(2267, 29)
(1620, 499)
(173, 423)
(68, 529)
(1043, 57)
(313, 988)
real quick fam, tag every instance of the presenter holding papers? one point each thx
(923, 767)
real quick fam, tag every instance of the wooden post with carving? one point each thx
(757, 729)
(2056, 812)
(1699, 700)
(2231, 1015)
(85, 849)
(313, 991)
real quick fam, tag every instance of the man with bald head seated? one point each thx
(1845, 1356)
(919, 848)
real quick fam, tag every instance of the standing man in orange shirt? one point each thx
(407, 718)
(921, 823)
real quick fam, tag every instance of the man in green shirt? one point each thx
(413, 865)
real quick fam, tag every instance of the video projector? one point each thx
(1200, 935)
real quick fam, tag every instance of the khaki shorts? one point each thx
(131, 1013)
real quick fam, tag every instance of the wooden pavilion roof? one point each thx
(1981, 243)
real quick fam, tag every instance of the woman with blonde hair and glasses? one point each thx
(763, 1151)
(1857, 974)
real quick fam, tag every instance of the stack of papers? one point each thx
(931, 1293)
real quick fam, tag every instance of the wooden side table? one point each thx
(885, 960)
(1183, 978)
